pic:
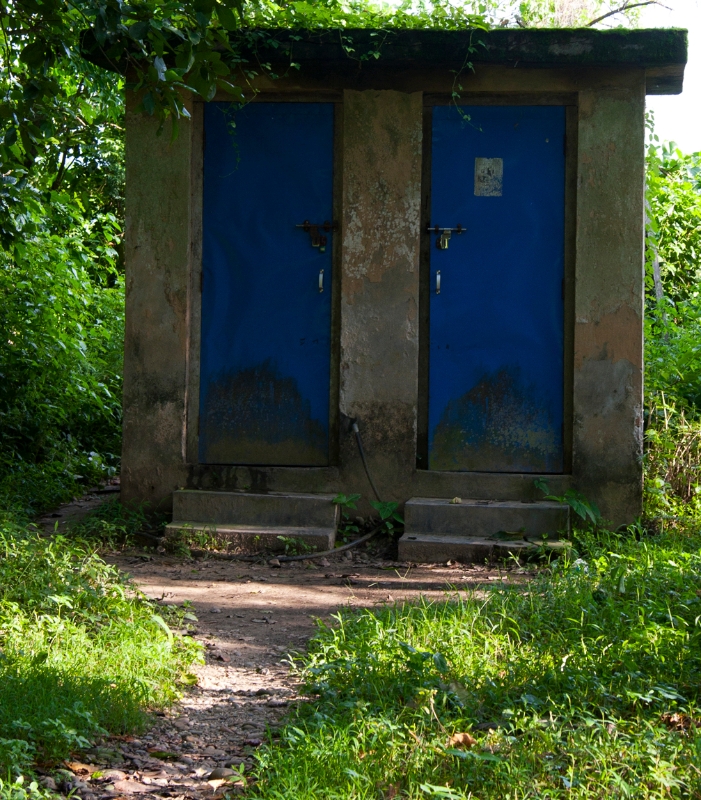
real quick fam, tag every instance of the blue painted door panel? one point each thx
(496, 327)
(266, 327)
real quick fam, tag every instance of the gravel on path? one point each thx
(252, 619)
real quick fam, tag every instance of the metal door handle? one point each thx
(321, 280)
(438, 281)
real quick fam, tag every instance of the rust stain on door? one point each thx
(499, 425)
(258, 416)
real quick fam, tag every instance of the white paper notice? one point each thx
(489, 177)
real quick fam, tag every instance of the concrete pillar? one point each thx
(382, 133)
(608, 335)
(157, 273)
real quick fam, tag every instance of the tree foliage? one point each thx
(673, 331)
(61, 322)
(57, 108)
(65, 65)
(673, 271)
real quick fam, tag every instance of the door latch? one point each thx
(317, 238)
(444, 234)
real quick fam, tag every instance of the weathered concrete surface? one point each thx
(486, 485)
(249, 538)
(484, 518)
(380, 284)
(436, 548)
(661, 53)
(608, 336)
(379, 273)
(255, 521)
(157, 273)
(238, 508)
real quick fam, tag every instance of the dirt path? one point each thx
(250, 617)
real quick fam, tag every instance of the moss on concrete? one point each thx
(536, 46)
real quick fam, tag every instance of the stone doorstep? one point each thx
(243, 509)
(435, 547)
(480, 519)
(254, 538)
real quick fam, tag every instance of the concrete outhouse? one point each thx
(442, 245)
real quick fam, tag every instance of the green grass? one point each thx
(81, 652)
(574, 672)
(115, 525)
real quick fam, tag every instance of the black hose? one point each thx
(356, 431)
(285, 559)
(323, 553)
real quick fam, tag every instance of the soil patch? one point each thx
(252, 620)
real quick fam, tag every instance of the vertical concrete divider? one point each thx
(157, 273)
(608, 335)
(380, 285)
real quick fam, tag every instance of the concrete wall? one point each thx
(157, 258)
(608, 333)
(382, 135)
(380, 173)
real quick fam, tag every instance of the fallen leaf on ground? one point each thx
(462, 741)
(132, 787)
(77, 766)
(679, 722)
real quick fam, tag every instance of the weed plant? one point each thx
(114, 525)
(81, 652)
(582, 683)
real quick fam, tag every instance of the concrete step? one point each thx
(263, 510)
(253, 522)
(251, 538)
(427, 548)
(482, 518)
(438, 529)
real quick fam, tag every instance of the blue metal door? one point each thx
(266, 291)
(496, 309)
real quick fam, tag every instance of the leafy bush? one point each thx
(61, 339)
(80, 652)
(61, 254)
(19, 789)
(583, 684)
(673, 334)
(673, 221)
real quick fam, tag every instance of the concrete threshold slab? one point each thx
(429, 548)
(250, 538)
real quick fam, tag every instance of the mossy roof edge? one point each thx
(646, 47)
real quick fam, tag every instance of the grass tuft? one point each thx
(114, 525)
(81, 652)
(583, 683)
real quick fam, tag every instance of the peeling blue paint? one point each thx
(497, 327)
(266, 327)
